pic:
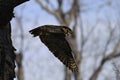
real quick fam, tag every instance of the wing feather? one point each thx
(57, 44)
(61, 49)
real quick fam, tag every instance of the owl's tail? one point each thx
(69, 62)
(35, 32)
(72, 65)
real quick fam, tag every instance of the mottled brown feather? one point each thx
(57, 44)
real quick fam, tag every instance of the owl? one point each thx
(54, 37)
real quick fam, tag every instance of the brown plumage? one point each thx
(54, 38)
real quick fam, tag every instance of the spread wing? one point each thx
(60, 48)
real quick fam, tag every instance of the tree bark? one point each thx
(20, 72)
(6, 10)
(7, 55)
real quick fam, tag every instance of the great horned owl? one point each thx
(54, 38)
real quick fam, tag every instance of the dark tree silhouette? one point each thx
(7, 56)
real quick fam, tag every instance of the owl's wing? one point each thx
(61, 49)
(45, 29)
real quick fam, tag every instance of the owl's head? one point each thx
(67, 31)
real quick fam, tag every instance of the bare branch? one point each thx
(45, 7)
(60, 2)
(57, 13)
(74, 11)
(111, 56)
(117, 71)
(81, 33)
(90, 33)
(109, 38)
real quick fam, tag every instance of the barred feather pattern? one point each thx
(57, 44)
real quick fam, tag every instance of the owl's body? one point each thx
(54, 38)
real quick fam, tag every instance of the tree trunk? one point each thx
(20, 72)
(7, 56)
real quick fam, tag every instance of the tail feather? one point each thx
(72, 65)
(69, 62)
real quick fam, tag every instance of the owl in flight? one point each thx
(54, 37)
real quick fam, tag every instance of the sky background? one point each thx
(38, 62)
